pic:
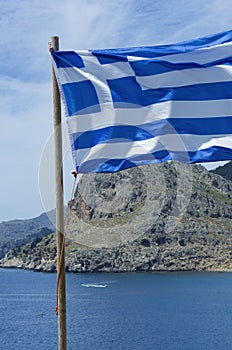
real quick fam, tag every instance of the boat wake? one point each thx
(94, 285)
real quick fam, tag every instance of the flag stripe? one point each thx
(126, 90)
(171, 142)
(186, 77)
(150, 68)
(103, 165)
(159, 111)
(212, 42)
(169, 126)
(202, 56)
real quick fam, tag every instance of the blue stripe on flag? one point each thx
(152, 67)
(108, 59)
(127, 90)
(114, 165)
(211, 154)
(157, 51)
(117, 133)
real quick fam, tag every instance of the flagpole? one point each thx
(61, 285)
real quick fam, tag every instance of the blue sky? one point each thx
(25, 75)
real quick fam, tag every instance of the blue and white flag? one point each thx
(132, 106)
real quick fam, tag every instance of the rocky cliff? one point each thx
(14, 233)
(163, 218)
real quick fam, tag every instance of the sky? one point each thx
(26, 114)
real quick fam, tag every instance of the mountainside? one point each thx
(225, 171)
(166, 217)
(14, 233)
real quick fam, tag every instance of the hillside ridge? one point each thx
(200, 238)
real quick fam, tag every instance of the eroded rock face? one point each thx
(176, 232)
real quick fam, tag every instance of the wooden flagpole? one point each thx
(61, 285)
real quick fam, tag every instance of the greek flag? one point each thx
(132, 106)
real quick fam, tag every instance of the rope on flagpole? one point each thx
(50, 47)
(74, 173)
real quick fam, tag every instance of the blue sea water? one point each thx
(142, 311)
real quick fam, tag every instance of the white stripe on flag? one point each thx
(202, 56)
(144, 115)
(172, 143)
(186, 77)
(96, 71)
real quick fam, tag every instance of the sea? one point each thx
(141, 311)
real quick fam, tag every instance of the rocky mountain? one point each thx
(225, 171)
(14, 233)
(166, 217)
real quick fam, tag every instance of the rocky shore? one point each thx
(177, 254)
(200, 239)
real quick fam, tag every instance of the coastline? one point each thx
(154, 259)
